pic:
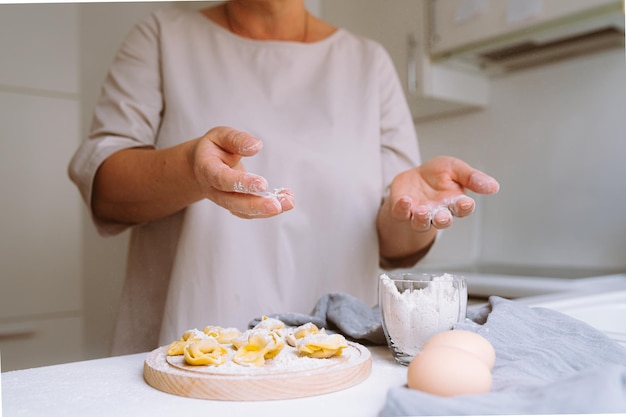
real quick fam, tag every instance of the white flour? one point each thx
(238, 187)
(412, 317)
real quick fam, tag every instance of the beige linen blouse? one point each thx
(336, 130)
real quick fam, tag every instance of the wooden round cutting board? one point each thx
(282, 379)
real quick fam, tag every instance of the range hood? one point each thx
(541, 43)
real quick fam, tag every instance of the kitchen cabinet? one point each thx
(40, 228)
(432, 89)
(30, 343)
(59, 281)
(458, 24)
(498, 37)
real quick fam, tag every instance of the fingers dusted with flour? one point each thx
(144, 184)
(223, 179)
(427, 197)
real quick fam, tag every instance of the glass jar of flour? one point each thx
(415, 307)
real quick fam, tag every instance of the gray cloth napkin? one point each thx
(546, 363)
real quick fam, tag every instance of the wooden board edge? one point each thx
(290, 386)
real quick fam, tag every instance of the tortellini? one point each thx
(177, 347)
(271, 324)
(205, 352)
(310, 341)
(222, 335)
(321, 345)
(216, 346)
(300, 332)
(259, 345)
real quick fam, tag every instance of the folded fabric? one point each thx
(546, 363)
(343, 313)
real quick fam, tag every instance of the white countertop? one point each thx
(114, 387)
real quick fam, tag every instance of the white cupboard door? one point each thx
(457, 24)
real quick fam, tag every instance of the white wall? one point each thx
(555, 137)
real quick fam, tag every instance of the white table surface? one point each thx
(114, 387)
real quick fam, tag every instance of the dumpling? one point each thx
(321, 345)
(271, 324)
(259, 344)
(300, 332)
(222, 335)
(176, 348)
(242, 339)
(205, 352)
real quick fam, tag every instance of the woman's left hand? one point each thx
(434, 192)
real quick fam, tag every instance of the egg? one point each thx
(447, 371)
(466, 340)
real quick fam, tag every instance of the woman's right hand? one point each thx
(219, 171)
(143, 184)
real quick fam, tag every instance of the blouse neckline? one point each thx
(337, 33)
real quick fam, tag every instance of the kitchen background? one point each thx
(554, 135)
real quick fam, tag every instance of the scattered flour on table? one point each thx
(412, 317)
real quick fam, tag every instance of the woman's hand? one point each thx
(434, 192)
(139, 185)
(423, 199)
(219, 171)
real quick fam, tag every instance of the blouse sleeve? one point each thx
(127, 113)
(399, 146)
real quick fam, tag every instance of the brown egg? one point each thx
(448, 371)
(466, 340)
